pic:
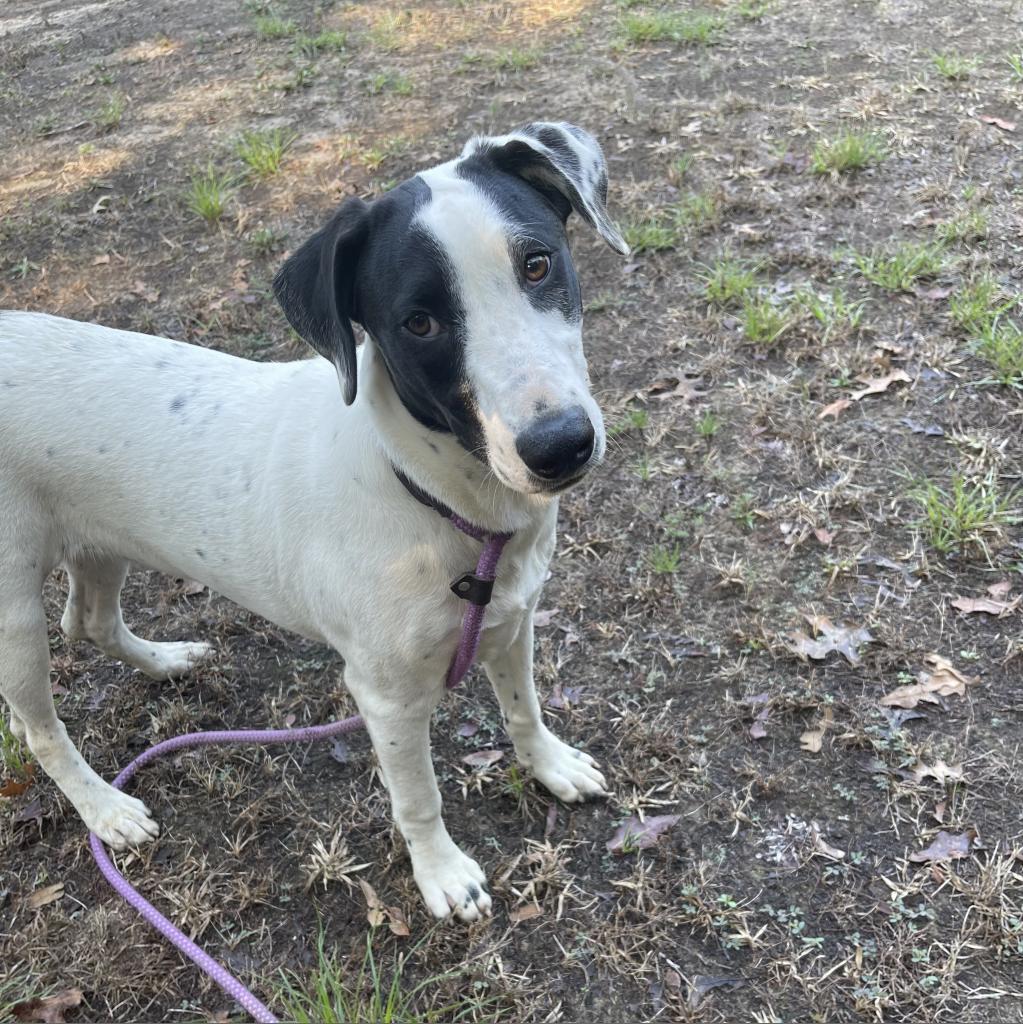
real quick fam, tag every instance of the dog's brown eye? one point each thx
(538, 266)
(422, 325)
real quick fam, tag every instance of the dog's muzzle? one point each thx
(557, 447)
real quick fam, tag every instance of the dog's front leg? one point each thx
(399, 726)
(568, 773)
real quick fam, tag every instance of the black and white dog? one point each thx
(257, 480)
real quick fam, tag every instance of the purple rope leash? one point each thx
(468, 644)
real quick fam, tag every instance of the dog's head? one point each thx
(463, 278)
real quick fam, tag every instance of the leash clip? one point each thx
(474, 589)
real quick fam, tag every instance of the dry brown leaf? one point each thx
(1000, 590)
(972, 605)
(813, 739)
(544, 617)
(377, 913)
(525, 913)
(939, 771)
(943, 680)
(839, 405)
(998, 122)
(634, 834)
(823, 848)
(824, 536)
(946, 847)
(686, 388)
(48, 1009)
(15, 787)
(758, 730)
(46, 895)
(483, 758)
(844, 639)
(704, 983)
(875, 385)
(145, 292)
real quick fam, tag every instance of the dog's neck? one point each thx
(436, 462)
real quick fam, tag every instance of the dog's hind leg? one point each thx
(93, 611)
(118, 819)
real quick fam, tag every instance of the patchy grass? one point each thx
(209, 192)
(514, 59)
(697, 211)
(728, 280)
(978, 303)
(954, 66)
(13, 754)
(1014, 61)
(966, 514)
(271, 26)
(672, 26)
(899, 267)
(1000, 344)
(968, 226)
(763, 320)
(109, 116)
(665, 560)
(651, 234)
(323, 42)
(834, 310)
(263, 151)
(341, 991)
(389, 81)
(850, 151)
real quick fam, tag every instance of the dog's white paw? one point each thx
(570, 774)
(119, 820)
(451, 882)
(170, 660)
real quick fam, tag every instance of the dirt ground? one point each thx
(771, 460)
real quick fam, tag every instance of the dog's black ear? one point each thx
(562, 161)
(316, 289)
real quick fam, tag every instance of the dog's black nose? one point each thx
(558, 445)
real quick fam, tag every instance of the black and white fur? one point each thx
(260, 481)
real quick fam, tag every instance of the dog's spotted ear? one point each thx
(561, 158)
(316, 289)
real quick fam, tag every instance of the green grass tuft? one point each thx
(665, 560)
(764, 322)
(965, 515)
(833, 311)
(387, 81)
(342, 991)
(978, 304)
(108, 117)
(270, 26)
(671, 26)
(325, 42)
(263, 151)
(650, 235)
(13, 757)
(1015, 64)
(850, 151)
(208, 193)
(1000, 344)
(968, 226)
(728, 281)
(954, 66)
(898, 268)
(515, 60)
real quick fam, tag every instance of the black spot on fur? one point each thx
(50, 453)
(200, 552)
(474, 893)
(178, 403)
